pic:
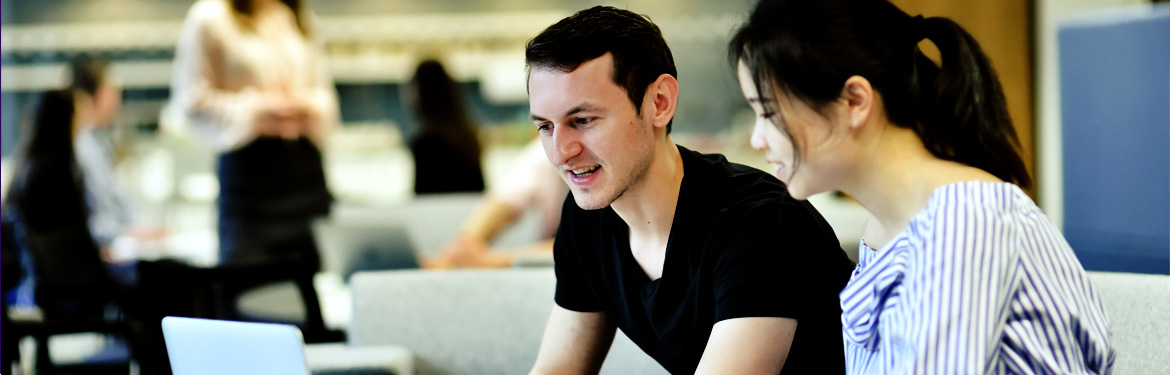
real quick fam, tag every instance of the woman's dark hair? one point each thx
(88, 73)
(447, 150)
(640, 54)
(807, 49)
(45, 152)
(439, 105)
(244, 7)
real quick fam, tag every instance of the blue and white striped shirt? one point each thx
(979, 283)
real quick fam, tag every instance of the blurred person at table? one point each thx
(99, 97)
(446, 150)
(251, 80)
(532, 183)
(61, 271)
(47, 197)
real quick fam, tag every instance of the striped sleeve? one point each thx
(965, 278)
(1057, 323)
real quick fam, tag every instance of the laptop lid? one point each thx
(203, 346)
(350, 246)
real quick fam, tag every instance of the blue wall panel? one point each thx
(1115, 99)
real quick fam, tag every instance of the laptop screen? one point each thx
(202, 346)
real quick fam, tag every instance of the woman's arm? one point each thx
(321, 99)
(224, 118)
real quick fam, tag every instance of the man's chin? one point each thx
(589, 201)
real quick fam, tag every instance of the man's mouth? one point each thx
(584, 172)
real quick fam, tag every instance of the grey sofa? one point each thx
(491, 321)
(468, 322)
(1139, 312)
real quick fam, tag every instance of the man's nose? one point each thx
(566, 144)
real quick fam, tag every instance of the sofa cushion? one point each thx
(468, 322)
(1139, 316)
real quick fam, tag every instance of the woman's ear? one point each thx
(858, 96)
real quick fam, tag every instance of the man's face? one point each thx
(106, 102)
(590, 131)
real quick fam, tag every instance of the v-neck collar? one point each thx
(622, 231)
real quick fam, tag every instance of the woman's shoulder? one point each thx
(975, 217)
(978, 200)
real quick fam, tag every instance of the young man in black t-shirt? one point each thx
(676, 248)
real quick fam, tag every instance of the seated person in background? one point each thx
(708, 266)
(959, 272)
(47, 196)
(531, 182)
(110, 212)
(446, 150)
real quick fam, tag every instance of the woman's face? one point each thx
(809, 129)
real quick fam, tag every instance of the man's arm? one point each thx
(756, 345)
(575, 343)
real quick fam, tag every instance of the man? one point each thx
(676, 248)
(100, 98)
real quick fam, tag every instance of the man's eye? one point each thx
(543, 127)
(582, 120)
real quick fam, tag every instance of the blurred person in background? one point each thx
(48, 205)
(958, 272)
(251, 80)
(110, 212)
(530, 183)
(446, 150)
(48, 192)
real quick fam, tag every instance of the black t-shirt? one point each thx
(739, 247)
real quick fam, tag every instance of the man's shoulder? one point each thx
(728, 184)
(743, 199)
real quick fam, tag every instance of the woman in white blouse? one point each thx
(250, 79)
(959, 272)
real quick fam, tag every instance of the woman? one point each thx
(959, 272)
(447, 150)
(250, 79)
(47, 188)
(47, 200)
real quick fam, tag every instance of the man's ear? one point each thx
(859, 99)
(663, 96)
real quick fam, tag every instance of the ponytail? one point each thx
(809, 48)
(961, 107)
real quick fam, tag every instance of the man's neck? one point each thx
(648, 207)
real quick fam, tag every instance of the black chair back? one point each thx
(71, 280)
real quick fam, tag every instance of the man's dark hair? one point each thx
(88, 73)
(640, 54)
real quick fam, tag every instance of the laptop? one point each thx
(353, 246)
(203, 346)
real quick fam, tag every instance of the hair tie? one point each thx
(917, 29)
